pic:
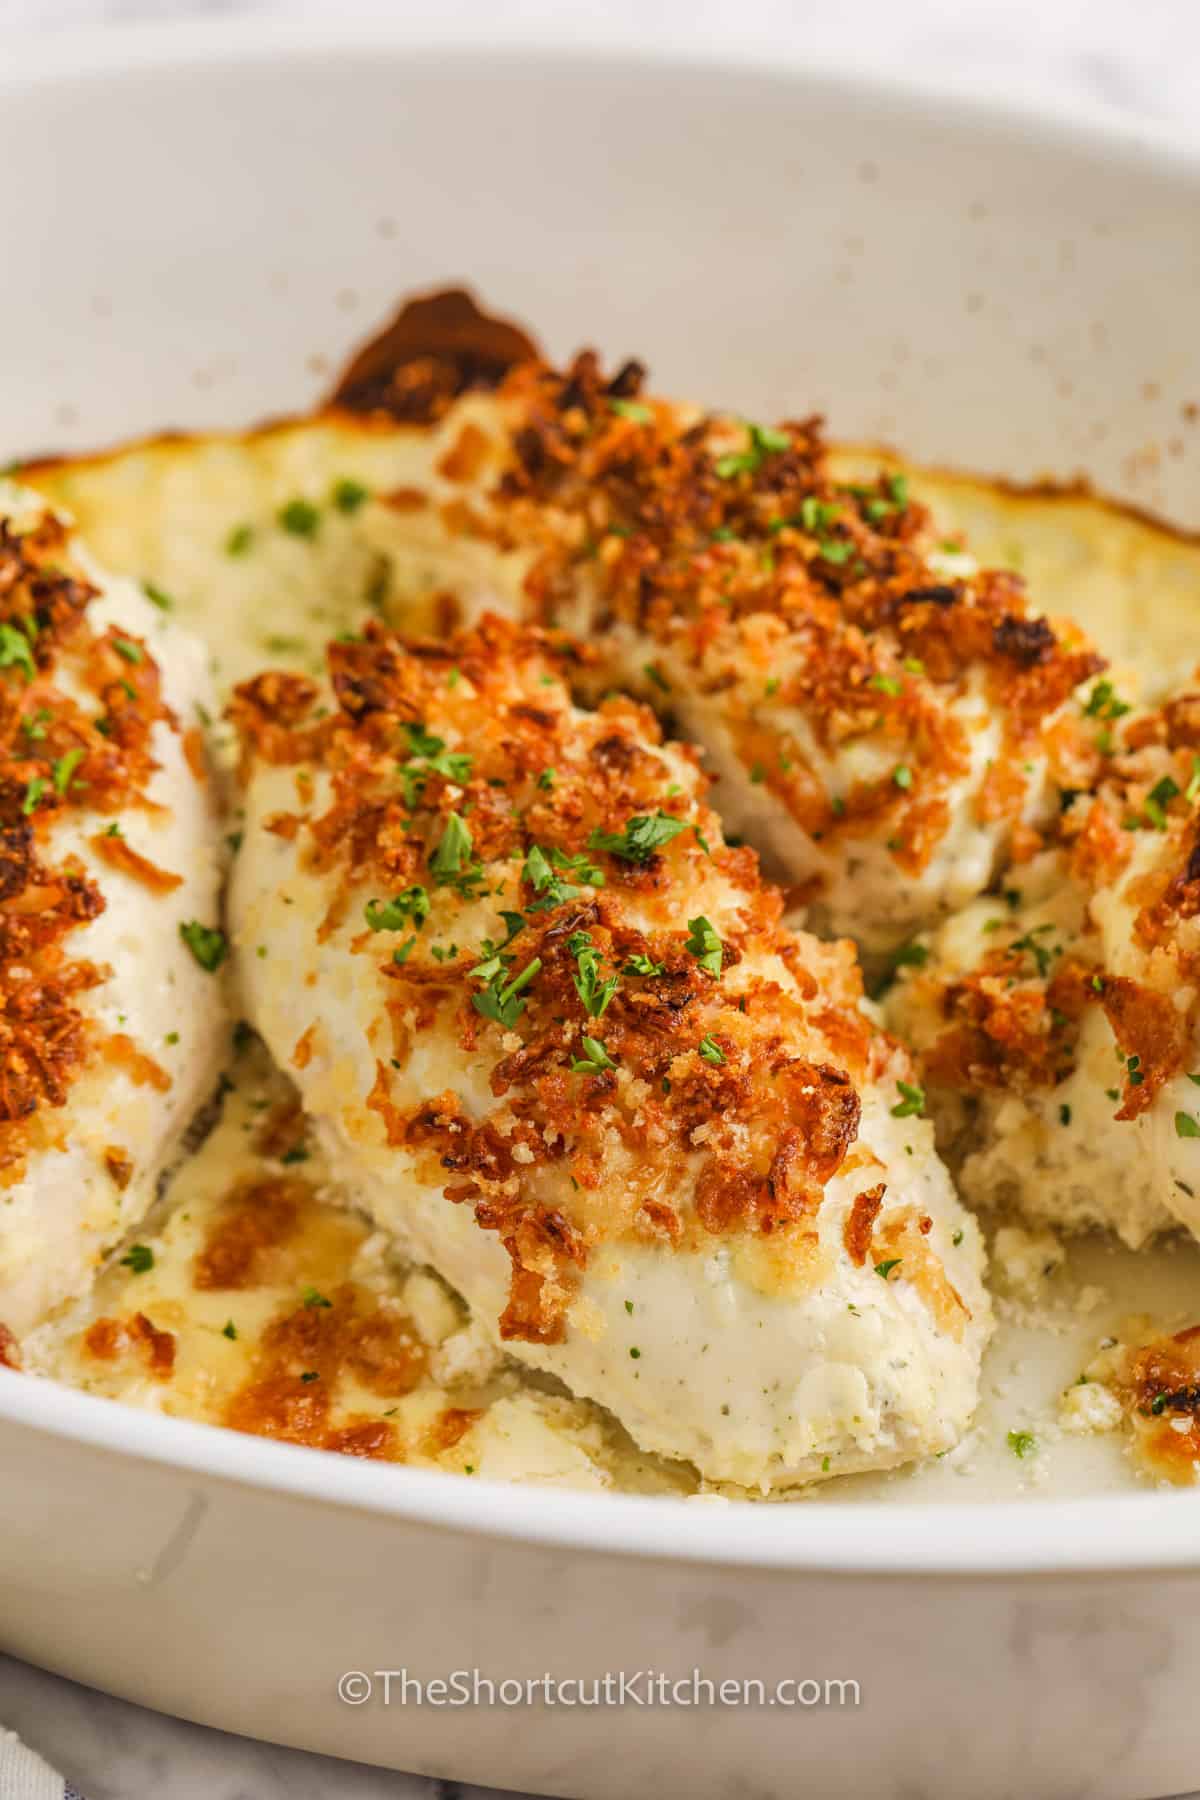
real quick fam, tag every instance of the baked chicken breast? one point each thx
(111, 1018)
(1059, 1025)
(888, 725)
(554, 1038)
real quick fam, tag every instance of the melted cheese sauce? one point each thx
(317, 1333)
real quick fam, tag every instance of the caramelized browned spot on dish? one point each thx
(107, 1339)
(307, 1353)
(1160, 1385)
(435, 348)
(10, 1350)
(256, 1219)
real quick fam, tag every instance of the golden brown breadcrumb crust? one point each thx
(729, 542)
(57, 754)
(763, 1085)
(1013, 1020)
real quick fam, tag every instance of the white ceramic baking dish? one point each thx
(196, 225)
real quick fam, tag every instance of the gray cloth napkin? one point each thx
(24, 1776)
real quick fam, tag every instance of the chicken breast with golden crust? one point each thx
(111, 1017)
(555, 1039)
(888, 726)
(1059, 1026)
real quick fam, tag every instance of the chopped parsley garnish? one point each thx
(594, 994)
(500, 999)
(207, 944)
(1064, 1114)
(642, 838)
(546, 780)
(64, 768)
(312, 1298)
(911, 1104)
(139, 1259)
(1157, 799)
(451, 860)
(632, 409)
(239, 540)
(422, 742)
(705, 944)
(711, 1051)
(911, 956)
(15, 651)
(902, 775)
(299, 517)
(594, 1060)
(1186, 1126)
(641, 964)
(1104, 703)
(763, 443)
(434, 759)
(125, 647)
(884, 1269)
(886, 684)
(1042, 954)
(541, 871)
(348, 495)
(1022, 1443)
(229, 1330)
(34, 727)
(311, 1375)
(34, 790)
(157, 596)
(401, 955)
(411, 905)
(654, 674)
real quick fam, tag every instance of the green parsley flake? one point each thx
(594, 1060)
(64, 768)
(642, 838)
(157, 596)
(705, 945)
(411, 904)
(451, 858)
(15, 652)
(132, 653)
(884, 1269)
(312, 1298)
(499, 1000)
(594, 993)
(139, 1259)
(763, 443)
(1022, 1443)
(1186, 1126)
(911, 1104)
(632, 409)
(711, 1051)
(902, 775)
(239, 540)
(347, 495)
(206, 942)
(299, 517)
(229, 1330)
(34, 790)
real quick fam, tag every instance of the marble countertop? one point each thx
(1092, 50)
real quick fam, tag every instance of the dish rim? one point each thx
(1122, 1534)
